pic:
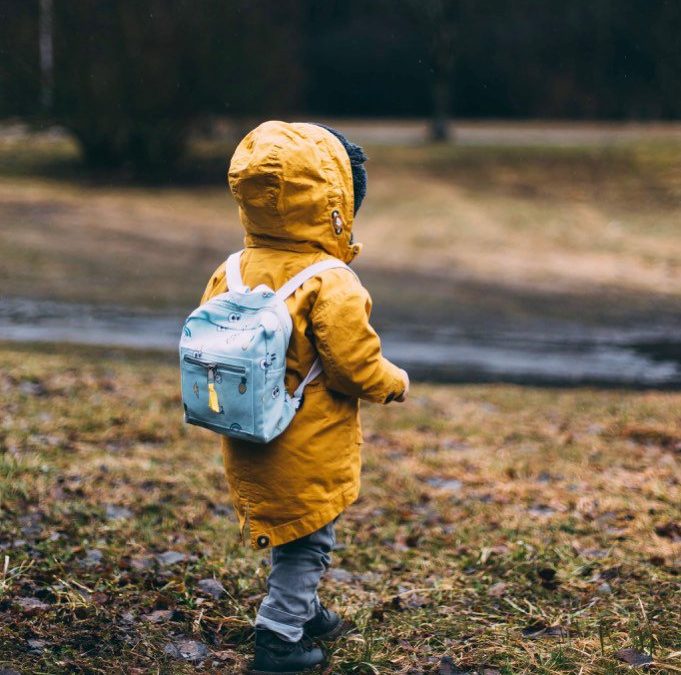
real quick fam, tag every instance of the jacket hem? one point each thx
(294, 529)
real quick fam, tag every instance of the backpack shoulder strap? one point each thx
(314, 371)
(233, 271)
(299, 279)
(287, 289)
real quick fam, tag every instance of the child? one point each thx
(299, 187)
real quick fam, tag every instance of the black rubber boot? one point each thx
(274, 655)
(327, 625)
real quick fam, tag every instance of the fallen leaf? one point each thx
(497, 590)
(32, 388)
(32, 605)
(36, 645)
(114, 512)
(339, 574)
(187, 650)
(541, 629)
(487, 551)
(144, 562)
(633, 658)
(370, 577)
(93, 557)
(212, 587)
(499, 549)
(445, 484)
(448, 667)
(455, 444)
(158, 616)
(408, 601)
(31, 526)
(170, 558)
(594, 553)
(541, 510)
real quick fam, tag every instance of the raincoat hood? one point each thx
(293, 185)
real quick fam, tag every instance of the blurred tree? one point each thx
(131, 76)
(123, 80)
(46, 55)
(663, 41)
(439, 22)
(19, 59)
(361, 57)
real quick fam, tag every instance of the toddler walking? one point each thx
(298, 187)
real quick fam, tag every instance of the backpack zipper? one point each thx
(213, 401)
(210, 365)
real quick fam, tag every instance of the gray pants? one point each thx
(291, 598)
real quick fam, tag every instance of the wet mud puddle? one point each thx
(558, 355)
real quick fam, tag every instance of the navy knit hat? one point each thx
(357, 159)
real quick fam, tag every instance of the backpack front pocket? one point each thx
(219, 394)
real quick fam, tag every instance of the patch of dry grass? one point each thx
(577, 219)
(553, 218)
(515, 529)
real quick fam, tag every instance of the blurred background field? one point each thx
(522, 243)
(517, 239)
(574, 208)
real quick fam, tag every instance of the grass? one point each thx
(511, 529)
(585, 219)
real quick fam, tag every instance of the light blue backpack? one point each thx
(233, 358)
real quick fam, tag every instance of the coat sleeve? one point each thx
(349, 348)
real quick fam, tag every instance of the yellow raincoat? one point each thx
(293, 184)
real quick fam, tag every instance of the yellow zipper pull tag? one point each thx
(213, 402)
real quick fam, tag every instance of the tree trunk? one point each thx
(46, 55)
(439, 124)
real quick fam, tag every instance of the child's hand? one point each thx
(403, 396)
